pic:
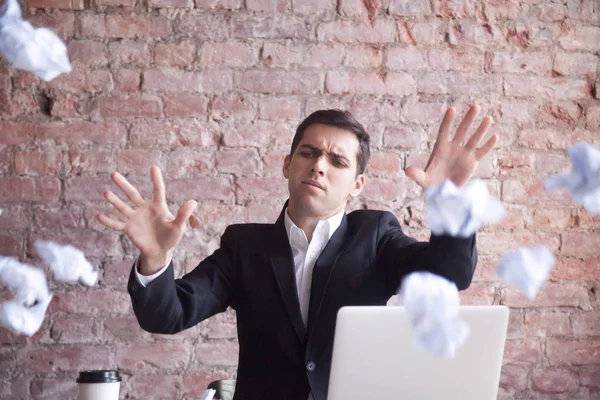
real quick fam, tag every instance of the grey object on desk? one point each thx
(225, 388)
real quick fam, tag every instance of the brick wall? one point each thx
(212, 90)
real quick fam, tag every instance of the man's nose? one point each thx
(319, 165)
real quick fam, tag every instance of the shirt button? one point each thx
(310, 366)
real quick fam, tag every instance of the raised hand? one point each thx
(149, 224)
(450, 159)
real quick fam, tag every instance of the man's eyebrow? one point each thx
(310, 147)
(340, 156)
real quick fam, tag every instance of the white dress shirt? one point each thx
(305, 255)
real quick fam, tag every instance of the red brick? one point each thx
(15, 133)
(229, 54)
(127, 80)
(11, 245)
(417, 8)
(53, 388)
(133, 106)
(68, 216)
(169, 134)
(279, 108)
(87, 52)
(185, 105)
(582, 38)
(87, 188)
(243, 162)
(509, 9)
(279, 82)
(552, 88)
(91, 162)
(454, 8)
(586, 324)
(520, 63)
(547, 324)
(453, 60)
(136, 26)
(561, 113)
(92, 25)
(533, 193)
(590, 377)
(385, 165)
(30, 189)
(64, 106)
(75, 330)
(20, 217)
(171, 3)
(516, 325)
(217, 353)
(219, 4)
(406, 58)
(273, 6)
(175, 54)
(519, 111)
(63, 358)
(348, 31)
(90, 301)
(80, 133)
(57, 4)
(209, 26)
(92, 243)
(553, 218)
(551, 294)
(260, 213)
(273, 162)
(83, 79)
(401, 137)
(181, 190)
(427, 33)
(384, 190)
(367, 10)
(153, 357)
(208, 81)
(474, 33)
(519, 351)
(580, 244)
(513, 379)
(190, 162)
(499, 243)
(195, 383)
(569, 268)
(554, 380)
(394, 84)
(125, 329)
(364, 56)
(575, 63)
(156, 386)
(7, 359)
(593, 117)
(557, 138)
(233, 105)
(260, 189)
(547, 164)
(272, 134)
(5, 163)
(422, 113)
(457, 83)
(137, 161)
(129, 52)
(576, 352)
(478, 295)
(36, 163)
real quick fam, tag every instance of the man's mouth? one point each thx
(313, 183)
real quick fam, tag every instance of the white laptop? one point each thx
(374, 357)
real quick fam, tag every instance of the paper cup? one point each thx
(99, 385)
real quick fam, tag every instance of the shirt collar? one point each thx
(333, 223)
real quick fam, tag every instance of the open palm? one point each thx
(450, 159)
(150, 226)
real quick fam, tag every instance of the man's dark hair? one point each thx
(339, 119)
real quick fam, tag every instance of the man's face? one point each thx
(322, 171)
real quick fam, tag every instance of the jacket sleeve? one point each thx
(453, 258)
(169, 305)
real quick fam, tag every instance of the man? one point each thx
(287, 280)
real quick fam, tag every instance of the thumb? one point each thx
(185, 211)
(417, 175)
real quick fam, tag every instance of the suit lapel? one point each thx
(322, 272)
(282, 262)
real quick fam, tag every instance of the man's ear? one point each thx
(359, 184)
(286, 165)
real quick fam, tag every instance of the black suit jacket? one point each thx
(253, 272)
